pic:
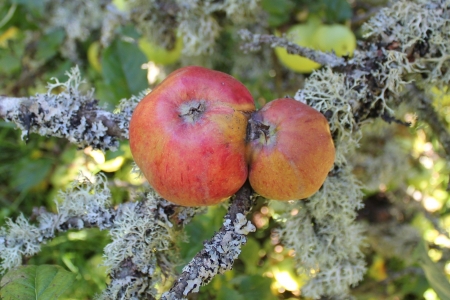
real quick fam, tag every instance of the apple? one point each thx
(335, 37)
(302, 35)
(188, 136)
(290, 150)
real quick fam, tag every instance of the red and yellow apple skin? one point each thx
(290, 150)
(188, 136)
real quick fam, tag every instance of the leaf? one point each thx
(254, 287)
(35, 282)
(249, 255)
(337, 10)
(30, 172)
(225, 293)
(49, 45)
(435, 276)
(279, 11)
(122, 73)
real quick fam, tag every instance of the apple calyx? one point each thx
(258, 130)
(191, 111)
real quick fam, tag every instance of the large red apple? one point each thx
(188, 136)
(290, 150)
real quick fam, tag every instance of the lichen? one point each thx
(196, 22)
(78, 19)
(143, 235)
(89, 200)
(68, 111)
(325, 237)
(85, 204)
(419, 27)
(17, 239)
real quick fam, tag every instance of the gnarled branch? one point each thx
(219, 253)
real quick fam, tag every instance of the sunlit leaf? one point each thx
(435, 276)
(44, 282)
(122, 72)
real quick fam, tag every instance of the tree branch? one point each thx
(71, 113)
(219, 253)
(428, 114)
(84, 124)
(254, 42)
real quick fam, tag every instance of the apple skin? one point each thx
(188, 136)
(290, 150)
(302, 35)
(337, 38)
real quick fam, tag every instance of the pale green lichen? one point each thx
(325, 237)
(142, 235)
(420, 26)
(382, 166)
(78, 19)
(196, 22)
(88, 199)
(69, 110)
(85, 204)
(17, 239)
(392, 239)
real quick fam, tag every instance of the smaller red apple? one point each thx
(290, 150)
(188, 136)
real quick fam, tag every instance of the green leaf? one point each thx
(9, 62)
(31, 172)
(254, 287)
(249, 255)
(279, 11)
(435, 276)
(35, 283)
(49, 45)
(122, 73)
(277, 7)
(337, 10)
(225, 293)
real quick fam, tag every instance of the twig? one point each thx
(254, 42)
(219, 253)
(84, 124)
(429, 115)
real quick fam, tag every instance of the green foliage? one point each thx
(334, 11)
(278, 11)
(122, 73)
(435, 276)
(43, 282)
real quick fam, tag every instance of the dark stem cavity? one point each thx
(192, 111)
(257, 130)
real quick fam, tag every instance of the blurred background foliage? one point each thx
(404, 170)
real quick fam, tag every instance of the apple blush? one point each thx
(290, 150)
(188, 136)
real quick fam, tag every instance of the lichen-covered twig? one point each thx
(219, 253)
(141, 252)
(428, 114)
(254, 41)
(84, 205)
(143, 234)
(71, 114)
